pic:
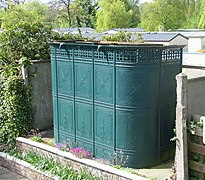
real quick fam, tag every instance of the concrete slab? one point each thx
(6, 174)
(161, 172)
(3, 170)
(47, 134)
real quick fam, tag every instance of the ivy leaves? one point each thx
(25, 37)
(15, 108)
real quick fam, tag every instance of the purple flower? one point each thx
(59, 145)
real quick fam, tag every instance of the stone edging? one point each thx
(105, 171)
(22, 167)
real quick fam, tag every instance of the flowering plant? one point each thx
(62, 147)
(81, 153)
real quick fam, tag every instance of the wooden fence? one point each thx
(196, 148)
(190, 137)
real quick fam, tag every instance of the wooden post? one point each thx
(181, 128)
(24, 72)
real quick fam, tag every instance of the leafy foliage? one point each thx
(15, 108)
(200, 8)
(73, 13)
(123, 36)
(133, 7)
(37, 138)
(25, 35)
(193, 124)
(68, 36)
(88, 13)
(113, 14)
(28, 40)
(163, 15)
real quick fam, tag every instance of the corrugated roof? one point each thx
(90, 35)
(160, 36)
(194, 34)
(149, 37)
(72, 30)
(99, 36)
(129, 29)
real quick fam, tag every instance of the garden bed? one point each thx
(22, 167)
(96, 169)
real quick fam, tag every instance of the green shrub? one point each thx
(15, 108)
(123, 36)
(26, 33)
(66, 37)
(28, 40)
(25, 37)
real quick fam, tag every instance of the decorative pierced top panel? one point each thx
(61, 54)
(124, 55)
(149, 56)
(104, 56)
(141, 55)
(171, 56)
(83, 54)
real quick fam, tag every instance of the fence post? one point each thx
(24, 72)
(181, 128)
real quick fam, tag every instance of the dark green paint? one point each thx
(116, 99)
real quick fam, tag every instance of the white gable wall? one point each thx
(179, 40)
(194, 44)
(203, 43)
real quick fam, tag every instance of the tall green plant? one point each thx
(15, 108)
(113, 14)
(25, 37)
(163, 15)
(28, 40)
(26, 33)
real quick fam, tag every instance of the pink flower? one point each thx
(81, 153)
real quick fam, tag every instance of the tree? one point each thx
(193, 14)
(29, 12)
(26, 33)
(113, 14)
(88, 16)
(201, 16)
(133, 7)
(148, 19)
(67, 5)
(74, 13)
(5, 4)
(58, 14)
(163, 14)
